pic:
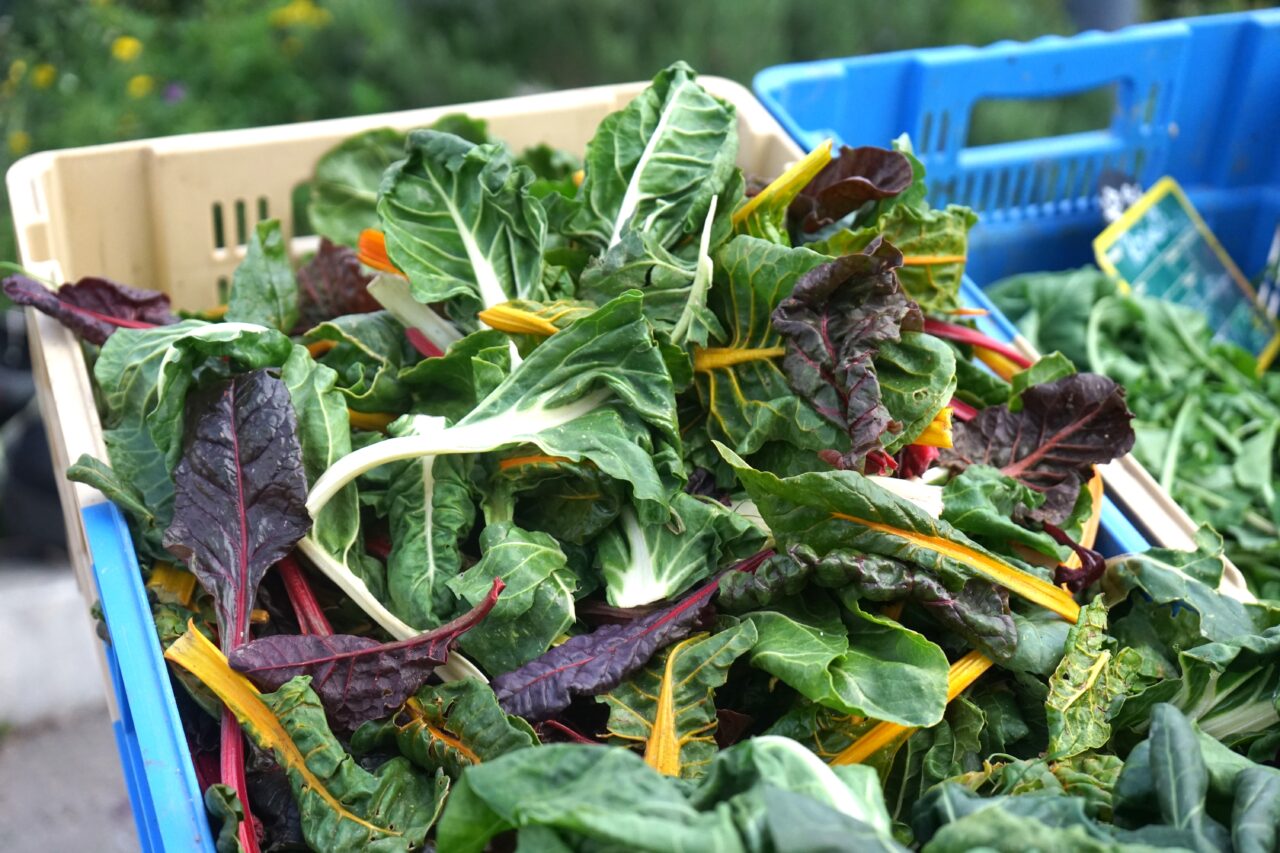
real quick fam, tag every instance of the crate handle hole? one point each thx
(993, 121)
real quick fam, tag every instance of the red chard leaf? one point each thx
(239, 493)
(331, 284)
(93, 308)
(1065, 427)
(832, 323)
(357, 679)
(857, 176)
(589, 664)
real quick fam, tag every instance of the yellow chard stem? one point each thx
(707, 360)
(788, 184)
(506, 318)
(662, 752)
(1028, 586)
(194, 653)
(371, 421)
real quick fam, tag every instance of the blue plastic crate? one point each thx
(168, 806)
(1198, 99)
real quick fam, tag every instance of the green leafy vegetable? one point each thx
(264, 289)
(669, 706)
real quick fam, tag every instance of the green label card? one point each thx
(1161, 247)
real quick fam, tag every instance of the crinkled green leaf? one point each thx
(656, 165)
(1092, 676)
(431, 508)
(368, 354)
(460, 223)
(669, 706)
(535, 608)
(450, 727)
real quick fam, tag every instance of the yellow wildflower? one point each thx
(44, 75)
(126, 48)
(19, 142)
(17, 69)
(140, 85)
(303, 13)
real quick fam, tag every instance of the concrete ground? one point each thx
(61, 788)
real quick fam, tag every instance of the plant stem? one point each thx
(311, 619)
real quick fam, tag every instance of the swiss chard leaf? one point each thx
(325, 434)
(656, 165)
(459, 221)
(93, 308)
(833, 323)
(537, 607)
(934, 241)
(448, 726)
(240, 493)
(344, 189)
(357, 678)
(741, 385)
(669, 706)
(842, 509)
(590, 664)
(264, 289)
(1064, 428)
(431, 508)
(367, 351)
(1091, 678)
(983, 503)
(642, 564)
(332, 284)
(870, 666)
(560, 400)
(343, 807)
(853, 178)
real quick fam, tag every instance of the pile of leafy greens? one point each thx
(652, 506)
(1206, 421)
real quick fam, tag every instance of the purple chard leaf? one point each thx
(1064, 428)
(93, 308)
(849, 181)
(833, 323)
(357, 679)
(239, 493)
(590, 664)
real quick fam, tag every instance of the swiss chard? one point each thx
(358, 679)
(93, 308)
(1064, 428)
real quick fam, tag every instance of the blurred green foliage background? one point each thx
(78, 73)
